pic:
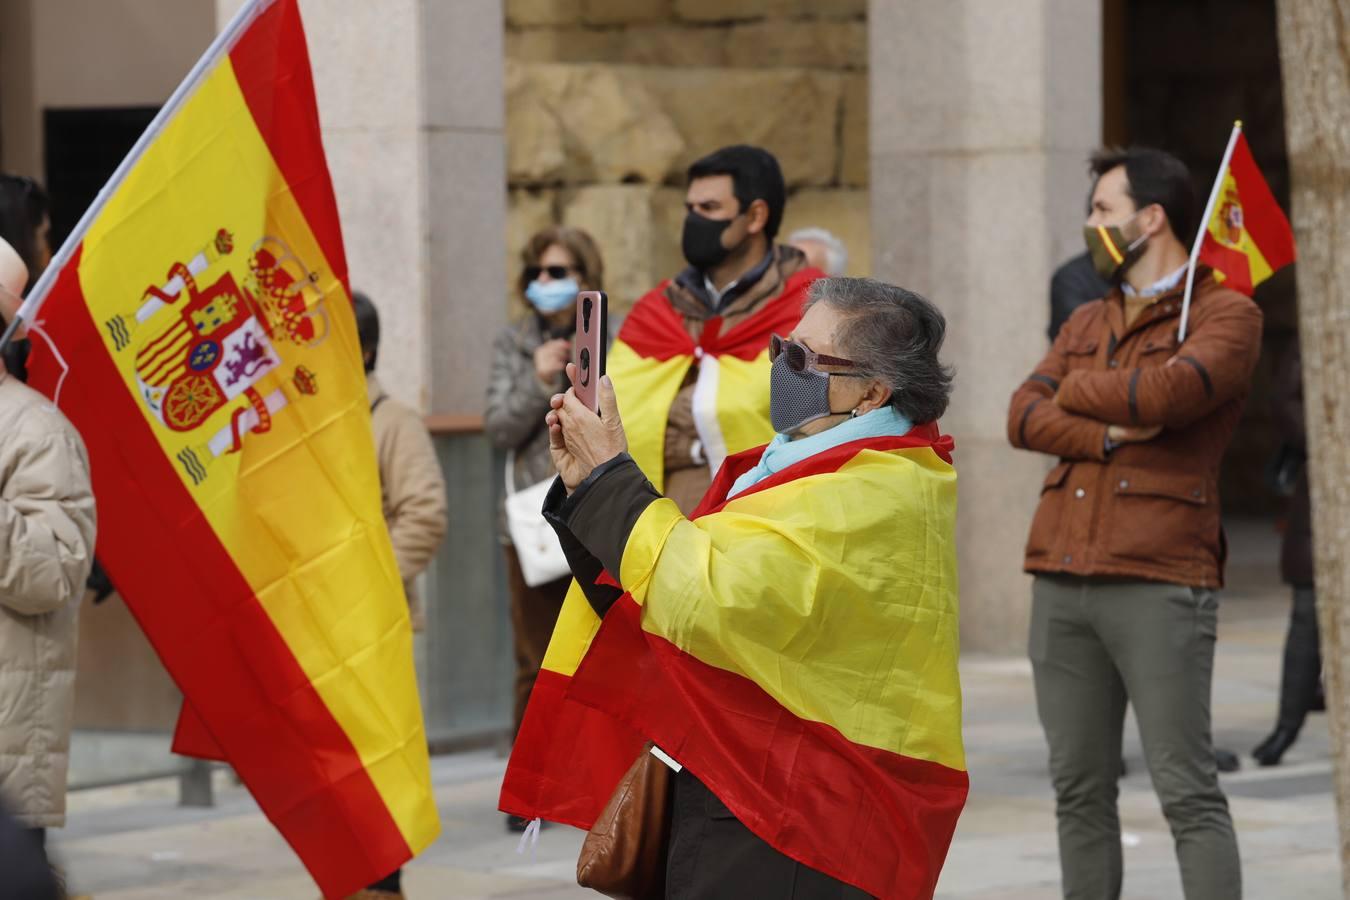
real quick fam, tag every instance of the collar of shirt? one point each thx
(717, 299)
(1161, 286)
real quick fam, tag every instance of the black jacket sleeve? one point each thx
(594, 523)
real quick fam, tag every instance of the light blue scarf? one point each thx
(783, 451)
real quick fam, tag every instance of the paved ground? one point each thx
(133, 842)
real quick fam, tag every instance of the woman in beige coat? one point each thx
(46, 550)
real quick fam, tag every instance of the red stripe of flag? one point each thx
(655, 330)
(1261, 215)
(868, 817)
(589, 748)
(1234, 264)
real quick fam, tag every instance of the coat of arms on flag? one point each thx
(201, 346)
(1246, 237)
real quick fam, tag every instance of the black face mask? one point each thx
(702, 241)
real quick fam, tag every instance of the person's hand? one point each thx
(578, 439)
(549, 359)
(1128, 434)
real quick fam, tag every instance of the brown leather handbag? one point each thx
(624, 855)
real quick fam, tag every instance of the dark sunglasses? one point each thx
(557, 273)
(801, 358)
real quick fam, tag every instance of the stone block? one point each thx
(838, 9)
(793, 113)
(854, 134)
(643, 45)
(567, 45)
(734, 10)
(748, 10)
(636, 227)
(535, 151)
(624, 12)
(809, 43)
(543, 12)
(585, 123)
(844, 213)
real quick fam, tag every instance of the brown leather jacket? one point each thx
(1148, 510)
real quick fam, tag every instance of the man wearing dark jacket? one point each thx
(1126, 545)
(1301, 680)
(739, 288)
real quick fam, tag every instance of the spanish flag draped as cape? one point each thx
(200, 336)
(650, 360)
(795, 647)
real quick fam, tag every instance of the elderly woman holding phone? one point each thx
(791, 647)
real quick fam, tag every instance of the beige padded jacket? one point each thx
(412, 489)
(46, 550)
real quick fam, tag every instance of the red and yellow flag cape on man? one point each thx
(215, 374)
(651, 358)
(1247, 238)
(796, 648)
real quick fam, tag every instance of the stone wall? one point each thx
(609, 101)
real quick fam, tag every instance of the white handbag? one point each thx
(541, 556)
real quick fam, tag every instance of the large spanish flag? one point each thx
(1247, 237)
(795, 648)
(199, 334)
(653, 353)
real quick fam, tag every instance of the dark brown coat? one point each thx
(1148, 510)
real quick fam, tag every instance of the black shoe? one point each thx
(1270, 751)
(516, 824)
(1226, 760)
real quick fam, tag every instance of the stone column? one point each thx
(464, 153)
(982, 116)
(410, 100)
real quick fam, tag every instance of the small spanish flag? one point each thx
(197, 329)
(1247, 237)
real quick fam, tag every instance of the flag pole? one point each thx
(247, 13)
(1204, 229)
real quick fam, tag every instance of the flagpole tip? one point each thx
(1237, 123)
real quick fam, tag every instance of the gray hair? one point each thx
(894, 335)
(836, 254)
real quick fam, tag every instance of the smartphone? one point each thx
(588, 347)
